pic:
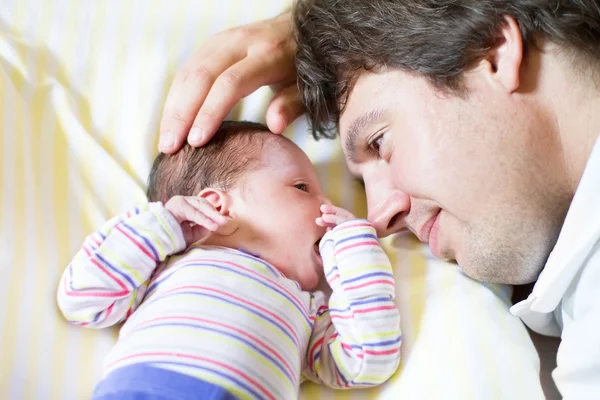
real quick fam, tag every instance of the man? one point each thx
(473, 123)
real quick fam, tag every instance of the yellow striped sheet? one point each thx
(82, 85)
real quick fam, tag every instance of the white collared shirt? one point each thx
(565, 301)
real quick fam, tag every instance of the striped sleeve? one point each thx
(109, 275)
(356, 337)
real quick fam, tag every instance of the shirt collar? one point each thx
(580, 232)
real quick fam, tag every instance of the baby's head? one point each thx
(264, 182)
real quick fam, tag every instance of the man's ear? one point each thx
(219, 199)
(503, 62)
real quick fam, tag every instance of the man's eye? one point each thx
(378, 143)
(375, 145)
(301, 186)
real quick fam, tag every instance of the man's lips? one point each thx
(425, 231)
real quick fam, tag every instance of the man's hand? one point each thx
(333, 216)
(198, 218)
(229, 67)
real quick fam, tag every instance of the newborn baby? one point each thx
(215, 280)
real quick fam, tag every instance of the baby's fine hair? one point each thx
(233, 151)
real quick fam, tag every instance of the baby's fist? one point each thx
(198, 218)
(333, 216)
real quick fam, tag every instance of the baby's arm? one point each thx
(356, 338)
(108, 277)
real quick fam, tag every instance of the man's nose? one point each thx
(387, 206)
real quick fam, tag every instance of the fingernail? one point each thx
(166, 141)
(195, 135)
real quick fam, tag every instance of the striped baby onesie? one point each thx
(229, 318)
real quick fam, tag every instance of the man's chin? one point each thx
(501, 274)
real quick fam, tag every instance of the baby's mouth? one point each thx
(317, 252)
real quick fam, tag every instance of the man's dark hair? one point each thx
(233, 151)
(437, 39)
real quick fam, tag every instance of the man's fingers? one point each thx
(231, 86)
(187, 94)
(228, 67)
(284, 108)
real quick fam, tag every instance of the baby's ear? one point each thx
(220, 200)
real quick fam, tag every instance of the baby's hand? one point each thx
(198, 218)
(333, 216)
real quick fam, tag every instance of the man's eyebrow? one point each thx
(356, 127)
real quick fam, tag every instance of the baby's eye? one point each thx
(301, 186)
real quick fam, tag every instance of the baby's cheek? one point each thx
(310, 280)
